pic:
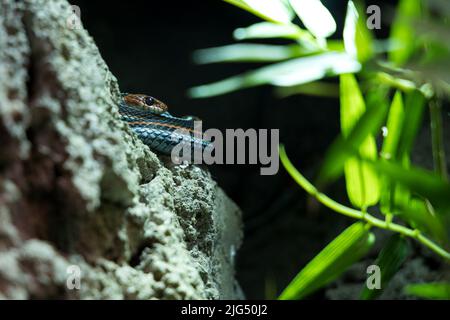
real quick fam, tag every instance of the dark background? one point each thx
(148, 46)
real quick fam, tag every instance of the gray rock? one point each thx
(77, 188)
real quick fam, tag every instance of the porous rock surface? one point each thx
(79, 190)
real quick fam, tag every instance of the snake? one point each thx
(151, 121)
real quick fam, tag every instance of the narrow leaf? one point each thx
(270, 10)
(393, 128)
(249, 52)
(319, 89)
(267, 30)
(393, 195)
(440, 291)
(369, 124)
(315, 16)
(288, 73)
(421, 215)
(352, 244)
(390, 259)
(422, 182)
(402, 30)
(358, 40)
(362, 182)
(414, 108)
(364, 38)
(349, 33)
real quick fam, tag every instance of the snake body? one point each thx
(149, 119)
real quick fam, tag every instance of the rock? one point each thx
(81, 197)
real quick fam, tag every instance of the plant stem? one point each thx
(437, 142)
(357, 214)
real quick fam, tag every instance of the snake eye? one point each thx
(149, 101)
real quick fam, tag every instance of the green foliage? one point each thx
(439, 291)
(390, 259)
(347, 248)
(288, 73)
(267, 30)
(401, 31)
(344, 147)
(270, 10)
(383, 97)
(362, 182)
(358, 39)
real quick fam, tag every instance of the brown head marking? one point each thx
(145, 102)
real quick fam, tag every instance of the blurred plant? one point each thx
(412, 67)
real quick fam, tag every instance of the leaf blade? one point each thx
(344, 147)
(315, 16)
(287, 73)
(270, 10)
(402, 32)
(353, 243)
(390, 259)
(436, 290)
(248, 52)
(362, 182)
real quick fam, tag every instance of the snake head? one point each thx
(144, 102)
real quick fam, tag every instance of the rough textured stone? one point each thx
(78, 188)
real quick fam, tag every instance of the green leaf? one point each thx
(393, 195)
(421, 215)
(435, 290)
(319, 89)
(422, 182)
(414, 107)
(288, 73)
(393, 128)
(390, 259)
(403, 124)
(402, 31)
(344, 147)
(249, 52)
(270, 10)
(364, 38)
(362, 182)
(349, 33)
(352, 244)
(358, 40)
(267, 30)
(315, 16)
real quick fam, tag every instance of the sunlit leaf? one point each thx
(351, 245)
(335, 45)
(271, 10)
(423, 182)
(402, 30)
(357, 37)
(315, 16)
(390, 259)
(249, 52)
(393, 128)
(364, 38)
(267, 30)
(342, 148)
(393, 195)
(362, 182)
(435, 290)
(420, 214)
(414, 108)
(349, 33)
(316, 67)
(319, 89)
(288, 73)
